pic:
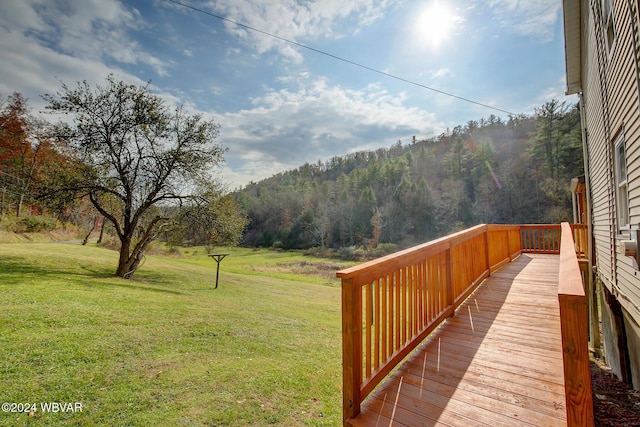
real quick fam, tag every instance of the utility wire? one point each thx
(339, 58)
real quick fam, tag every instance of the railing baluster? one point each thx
(369, 322)
(418, 297)
(433, 288)
(398, 308)
(392, 314)
(441, 283)
(406, 306)
(403, 277)
(376, 327)
(384, 318)
(414, 293)
(442, 290)
(409, 304)
(538, 245)
(423, 295)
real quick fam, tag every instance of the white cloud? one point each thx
(295, 20)
(440, 73)
(288, 128)
(91, 30)
(33, 69)
(528, 18)
(20, 14)
(554, 92)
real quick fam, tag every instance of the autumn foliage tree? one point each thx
(27, 154)
(140, 158)
(17, 156)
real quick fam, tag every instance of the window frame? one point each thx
(608, 24)
(621, 176)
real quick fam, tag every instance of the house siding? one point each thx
(611, 104)
(594, 102)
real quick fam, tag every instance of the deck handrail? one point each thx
(391, 304)
(575, 334)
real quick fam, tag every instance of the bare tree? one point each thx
(139, 158)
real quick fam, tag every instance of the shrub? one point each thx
(348, 253)
(34, 224)
(381, 250)
(320, 252)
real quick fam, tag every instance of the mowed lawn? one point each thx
(166, 349)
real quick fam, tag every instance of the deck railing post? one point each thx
(450, 297)
(351, 348)
(487, 249)
(518, 238)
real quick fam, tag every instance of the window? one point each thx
(622, 194)
(607, 15)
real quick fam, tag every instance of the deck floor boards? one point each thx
(497, 362)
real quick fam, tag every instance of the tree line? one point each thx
(487, 171)
(123, 158)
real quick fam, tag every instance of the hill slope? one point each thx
(487, 171)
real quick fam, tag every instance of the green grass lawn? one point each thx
(166, 349)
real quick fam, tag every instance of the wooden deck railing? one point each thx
(545, 239)
(575, 334)
(581, 240)
(391, 304)
(541, 239)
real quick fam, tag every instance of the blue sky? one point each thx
(280, 105)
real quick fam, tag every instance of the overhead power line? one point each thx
(339, 58)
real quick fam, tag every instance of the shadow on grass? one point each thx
(15, 270)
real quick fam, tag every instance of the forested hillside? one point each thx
(486, 171)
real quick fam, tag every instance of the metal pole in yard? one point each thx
(217, 258)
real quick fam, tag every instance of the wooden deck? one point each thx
(497, 362)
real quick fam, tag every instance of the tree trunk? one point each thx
(104, 223)
(19, 208)
(125, 260)
(86, 237)
(130, 259)
(134, 263)
(127, 265)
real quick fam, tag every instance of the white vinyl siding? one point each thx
(612, 112)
